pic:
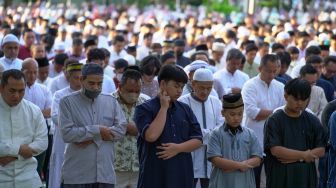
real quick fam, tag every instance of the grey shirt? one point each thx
(79, 120)
(237, 147)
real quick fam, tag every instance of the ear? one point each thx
(223, 112)
(286, 96)
(259, 68)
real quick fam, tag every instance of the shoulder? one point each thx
(311, 117)
(149, 104)
(251, 83)
(214, 99)
(71, 96)
(185, 97)
(30, 107)
(277, 84)
(143, 97)
(243, 74)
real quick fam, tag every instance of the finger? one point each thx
(165, 144)
(161, 153)
(162, 156)
(161, 147)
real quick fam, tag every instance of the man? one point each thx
(207, 110)
(29, 39)
(311, 50)
(145, 48)
(39, 95)
(217, 53)
(126, 157)
(43, 71)
(38, 51)
(20, 138)
(77, 49)
(233, 149)
(250, 67)
(56, 67)
(332, 152)
(117, 49)
(317, 100)
(61, 81)
(2, 69)
(329, 70)
(58, 147)
(10, 47)
(302, 40)
(168, 132)
(285, 61)
(262, 94)
(283, 38)
(263, 50)
(179, 46)
(230, 79)
(90, 122)
(294, 139)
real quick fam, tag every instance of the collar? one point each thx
(263, 82)
(234, 131)
(196, 98)
(8, 60)
(5, 105)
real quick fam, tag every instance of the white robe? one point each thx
(11, 64)
(21, 124)
(213, 118)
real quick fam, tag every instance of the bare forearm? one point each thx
(263, 114)
(225, 164)
(285, 153)
(319, 152)
(190, 145)
(254, 161)
(156, 127)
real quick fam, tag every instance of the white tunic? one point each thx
(58, 83)
(208, 118)
(317, 101)
(258, 95)
(11, 64)
(225, 81)
(45, 83)
(39, 95)
(21, 124)
(57, 153)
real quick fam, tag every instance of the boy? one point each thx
(232, 149)
(168, 132)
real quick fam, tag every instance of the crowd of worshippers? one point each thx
(155, 110)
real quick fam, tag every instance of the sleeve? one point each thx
(49, 99)
(70, 131)
(214, 145)
(40, 140)
(332, 126)
(54, 108)
(320, 134)
(323, 103)
(195, 131)
(296, 71)
(52, 85)
(250, 101)
(256, 149)
(9, 149)
(120, 123)
(142, 119)
(272, 133)
(219, 121)
(218, 87)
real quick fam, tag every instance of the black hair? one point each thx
(168, 25)
(307, 69)
(277, 46)
(49, 41)
(95, 53)
(302, 34)
(298, 88)
(314, 59)
(130, 74)
(106, 52)
(285, 58)
(120, 63)
(293, 50)
(329, 59)
(264, 44)
(148, 64)
(76, 34)
(90, 42)
(172, 72)
(251, 47)
(118, 38)
(230, 34)
(312, 50)
(269, 58)
(60, 58)
(147, 35)
(11, 73)
(234, 54)
(77, 42)
(193, 56)
(27, 31)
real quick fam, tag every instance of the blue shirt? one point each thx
(332, 152)
(181, 126)
(327, 87)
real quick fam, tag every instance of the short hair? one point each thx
(27, 30)
(329, 59)
(285, 58)
(148, 35)
(118, 38)
(269, 58)
(230, 34)
(298, 88)
(76, 34)
(148, 64)
(168, 26)
(312, 50)
(277, 46)
(11, 73)
(60, 58)
(120, 63)
(302, 34)
(106, 52)
(251, 47)
(90, 42)
(307, 69)
(130, 74)
(172, 72)
(95, 53)
(77, 42)
(314, 59)
(293, 50)
(264, 44)
(234, 54)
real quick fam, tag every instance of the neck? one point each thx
(250, 62)
(291, 113)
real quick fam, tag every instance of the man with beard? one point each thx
(181, 60)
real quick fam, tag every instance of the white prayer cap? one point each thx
(323, 37)
(59, 46)
(282, 36)
(288, 27)
(243, 32)
(218, 47)
(10, 38)
(120, 27)
(312, 43)
(195, 65)
(203, 75)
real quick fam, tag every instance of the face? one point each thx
(233, 64)
(98, 61)
(157, 50)
(130, 91)
(169, 32)
(283, 69)
(251, 55)
(77, 50)
(302, 42)
(269, 71)
(149, 78)
(11, 50)
(58, 68)
(329, 70)
(202, 90)
(119, 46)
(311, 78)
(13, 91)
(92, 82)
(38, 52)
(43, 73)
(217, 55)
(30, 72)
(29, 38)
(324, 53)
(74, 80)
(295, 105)
(148, 41)
(201, 57)
(170, 61)
(173, 88)
(294, 57)
(318, 67)
(179, 50)
(233, 117)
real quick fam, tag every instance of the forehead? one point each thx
(203, 83)
(15, 84)
(94, 78)
(11, 45)
(235, 110)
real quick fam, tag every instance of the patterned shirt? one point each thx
(126, 153)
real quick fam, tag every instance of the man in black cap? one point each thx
(43, 71)
(90, 122)
(179, 46)
(168, 59)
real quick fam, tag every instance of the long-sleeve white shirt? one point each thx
(257, 95)
(225, 81)
(11, 64)
(21, 124)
